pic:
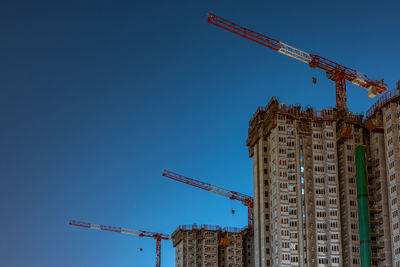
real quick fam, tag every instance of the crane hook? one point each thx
(314, 80)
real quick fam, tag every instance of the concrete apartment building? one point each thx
(296, 185)
(209, 246)
(305, 185)
(305, 191)
(384, 179)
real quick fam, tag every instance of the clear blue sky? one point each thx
(98, 97)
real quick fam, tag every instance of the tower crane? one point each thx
(245, 199)
(157, 236)
(336, 72)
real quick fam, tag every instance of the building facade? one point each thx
(209, 246)
(305, 184)
(296, 185)
(305, 191)
(384, 179)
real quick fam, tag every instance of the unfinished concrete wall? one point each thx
(391, 114)
(378, 201)
(348, 192)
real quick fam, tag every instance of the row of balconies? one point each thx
(376, 233)
(378, 256)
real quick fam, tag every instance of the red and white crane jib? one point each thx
(121, 230)
(313, 61)
(157, 236)
(245, 199)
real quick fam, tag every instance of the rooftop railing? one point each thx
(208, 227)
(381, 101)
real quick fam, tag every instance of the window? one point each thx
(282, 151)
(323, 249)
(331, 178)
(323, 261)
(318, 147)
(334, 224)
(317, 135)
(318, 169)
(332, 190)
(332, 201)
(281, 128)
(349, 147)
(329, 134)
(330, 145)
(333, 213)
(320, 202)
(335, 247)
(320, 191)
(318, 157)
(330, 155)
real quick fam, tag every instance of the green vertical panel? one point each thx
(363, 212)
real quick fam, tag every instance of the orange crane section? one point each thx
(245, 199)
(157, 236)
(336, 72)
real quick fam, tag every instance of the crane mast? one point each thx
(336, 72)
(245, 199)
(157, 236)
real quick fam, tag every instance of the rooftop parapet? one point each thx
(198, 231)
(209, 228)
(264, 119)
(383, 100)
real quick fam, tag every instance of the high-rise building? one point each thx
(384, 179)
(305, 191)
(305, 184)
(296, 185)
